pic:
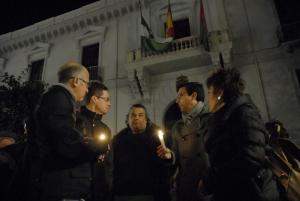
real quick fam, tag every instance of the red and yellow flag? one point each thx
(169, 24)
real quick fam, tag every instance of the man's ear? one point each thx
(194, 95)
(94, 99)
(75, 82)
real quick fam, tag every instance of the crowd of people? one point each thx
(215, 153)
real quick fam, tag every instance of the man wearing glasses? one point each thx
(89, 122)
(57, 150)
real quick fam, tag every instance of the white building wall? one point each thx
(266, 67)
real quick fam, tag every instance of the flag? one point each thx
(203, 28)
(149, 41)
(169, 23)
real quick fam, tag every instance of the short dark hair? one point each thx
(192, 87)
(228, 80)
(95, 88)
(138, 105)
(69, 70)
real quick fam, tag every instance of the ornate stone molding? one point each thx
(38, 51)
(2, 65)
(79, 19)
(93, 34)
(220, 44)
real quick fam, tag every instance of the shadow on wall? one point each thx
(172, 115)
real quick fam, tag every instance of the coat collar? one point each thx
(90, 114)
(236, 103)
(195, 112)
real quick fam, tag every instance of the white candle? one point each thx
(161, 138)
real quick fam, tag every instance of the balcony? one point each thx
(184, 53)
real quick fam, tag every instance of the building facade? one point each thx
(105, 37)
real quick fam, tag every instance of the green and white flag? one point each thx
(149, 42)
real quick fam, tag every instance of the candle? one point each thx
(161, 138)
(102, 137)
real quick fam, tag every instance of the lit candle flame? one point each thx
(161, 138)
(102, 137)
(160, 134)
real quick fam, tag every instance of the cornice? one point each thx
(79, 19)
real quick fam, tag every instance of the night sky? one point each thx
(16, 14)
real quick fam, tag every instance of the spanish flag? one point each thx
(203, 28)
(169, 24)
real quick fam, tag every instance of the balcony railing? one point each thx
(177, 45)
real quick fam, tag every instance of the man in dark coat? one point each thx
(89, 122)
(136, 164)
(57, 152)
(187, 146)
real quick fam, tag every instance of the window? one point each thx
(298, 75)
(289, 16)
(181, 28)
(90, 59)
(36, 70)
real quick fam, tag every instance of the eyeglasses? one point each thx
(106, 99)
(84, 81)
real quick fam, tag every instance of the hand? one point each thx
(101, 158)
(200, 185)
(163, 153)
(97, 146)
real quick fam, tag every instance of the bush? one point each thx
(18, 100)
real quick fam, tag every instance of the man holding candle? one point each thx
(187, 145)
(56, 149)
(137, 168)
(89, 122)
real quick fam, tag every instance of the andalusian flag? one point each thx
(169, 23)
(151, 42)
(203, 28)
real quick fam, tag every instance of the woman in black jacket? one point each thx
(235, 140)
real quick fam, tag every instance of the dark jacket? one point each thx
(236, 143)
(136, 165)
(57, 152)
(90, 124)
(8, 165)
(191, 159)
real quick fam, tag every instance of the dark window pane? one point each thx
(90, 58)
(298, 75)
(36, 70)
(181, 28)
(90, 55)
(289, 16)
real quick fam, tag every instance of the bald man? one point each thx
(58, 154)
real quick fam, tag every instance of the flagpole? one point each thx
(140, 4)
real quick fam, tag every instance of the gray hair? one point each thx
(69, 70)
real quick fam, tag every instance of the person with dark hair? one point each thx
(235, 140)
(56, 149)
(89, 122)
(187, 146)
(136, 167)
(276, 129)
(8, 162)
